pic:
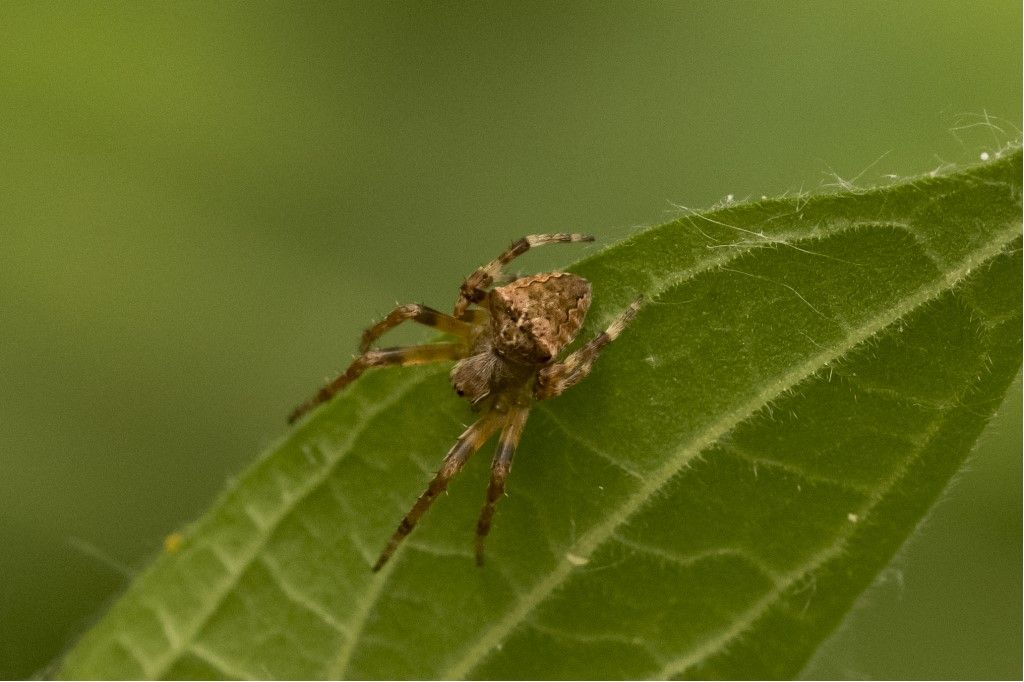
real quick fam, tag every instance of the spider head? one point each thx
(471, 377)
(534, 317)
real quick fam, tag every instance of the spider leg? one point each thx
(469, 442)
(408, 355)
(555, 379)
(501, 465)
(475, 315)
(417, 313)
(473, 289)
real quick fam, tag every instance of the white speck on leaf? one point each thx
(577, 560)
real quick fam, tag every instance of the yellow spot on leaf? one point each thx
(173, 542)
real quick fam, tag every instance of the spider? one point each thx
(508, 338)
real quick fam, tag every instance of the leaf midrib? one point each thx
(588, 543)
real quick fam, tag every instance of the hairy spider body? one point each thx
(508, 339)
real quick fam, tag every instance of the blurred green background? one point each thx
(201, 205)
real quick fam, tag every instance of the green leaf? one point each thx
(806, 378)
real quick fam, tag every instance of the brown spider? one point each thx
(505, 355)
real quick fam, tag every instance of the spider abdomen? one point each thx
(534, 317)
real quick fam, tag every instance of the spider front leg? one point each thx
(469, 442)
(474, 288)
(417, 313)
(500, 468)
(409, 355)
(555, 379)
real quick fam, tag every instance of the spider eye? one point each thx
(460, 392)
(545, 357)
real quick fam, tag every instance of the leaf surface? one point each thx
(806, 378)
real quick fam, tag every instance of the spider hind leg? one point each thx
(557, 378)
(471, 440)
(500, 468)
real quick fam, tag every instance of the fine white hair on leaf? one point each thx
(782, 284)
(93, 552)
(761, 238)
(985, 135)
(850, 185)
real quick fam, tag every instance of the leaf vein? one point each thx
(218, 663)
(633, 642)
(298, 597)
(741, 453)
(687, 560)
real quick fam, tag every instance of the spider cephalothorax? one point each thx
(508, 339)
